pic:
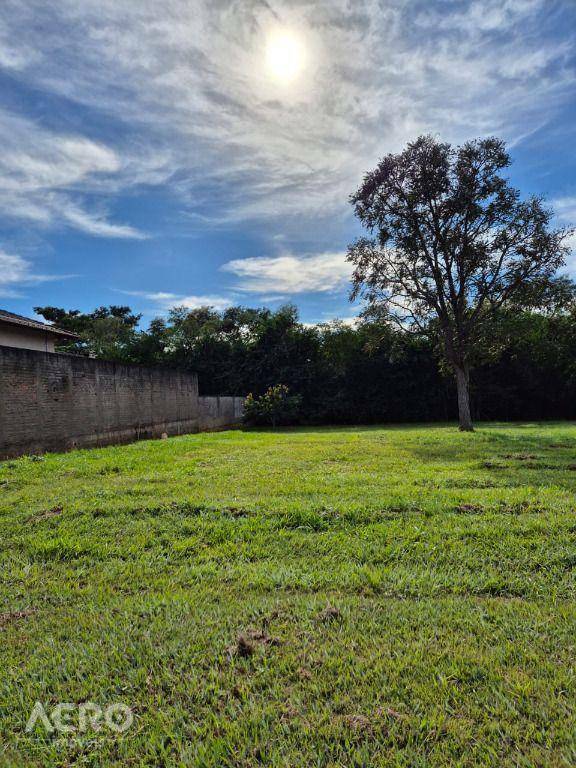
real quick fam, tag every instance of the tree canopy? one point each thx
(451, 242)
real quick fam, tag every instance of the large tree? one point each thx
(107, 332)
(451, 241)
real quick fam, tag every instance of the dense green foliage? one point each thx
(275, 407)
(525, 367)
(316, 597)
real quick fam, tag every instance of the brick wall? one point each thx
(52, 402)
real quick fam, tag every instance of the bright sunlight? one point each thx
(285, 56)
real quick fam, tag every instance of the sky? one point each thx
(202, 152)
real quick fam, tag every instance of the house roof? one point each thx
(13, 319)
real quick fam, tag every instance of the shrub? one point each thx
(275, 406)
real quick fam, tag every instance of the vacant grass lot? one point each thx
(331, 597)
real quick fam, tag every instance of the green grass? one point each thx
(330, 597)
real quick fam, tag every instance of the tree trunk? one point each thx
(462, 384)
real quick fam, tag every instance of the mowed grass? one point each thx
(397, 596)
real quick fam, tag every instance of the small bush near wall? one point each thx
(275, 407)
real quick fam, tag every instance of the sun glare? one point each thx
(284, 56)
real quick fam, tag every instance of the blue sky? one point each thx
(192, 152)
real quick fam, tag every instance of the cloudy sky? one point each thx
(188, 152)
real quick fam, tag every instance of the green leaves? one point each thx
(275, 406)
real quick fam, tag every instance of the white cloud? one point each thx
(166, 301)
(565, 210)
(352, 321)
(16, 272)
(481, 16)
(44, 174)
(97, 225)
(13, 54)
(189, 80)
(290, 274)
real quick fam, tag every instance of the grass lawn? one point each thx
(397, 596)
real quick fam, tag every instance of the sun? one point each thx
(285, 56)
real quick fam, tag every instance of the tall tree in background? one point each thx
(451, 242)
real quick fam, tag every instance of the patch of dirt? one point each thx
(359, 723)
(329, 614)
(304, 674)
(363, 724)
(247, 643)
(243, 648)
(47, 513)
(10, 616)
(469, 509)
(492, 464)
(235, 511)
(521, 456)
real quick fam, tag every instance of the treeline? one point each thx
(374, 372)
